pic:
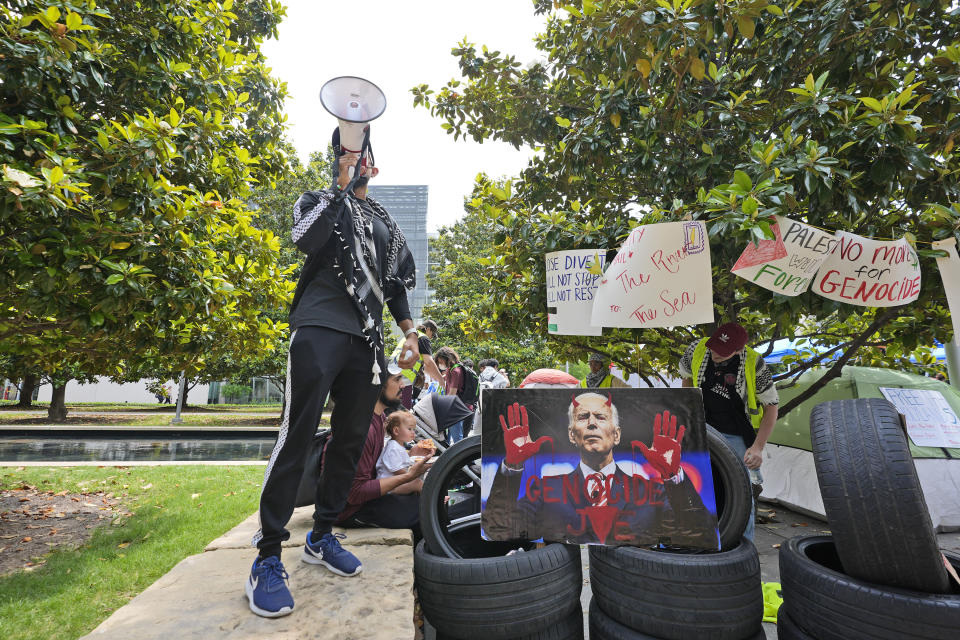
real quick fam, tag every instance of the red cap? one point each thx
(727, 339)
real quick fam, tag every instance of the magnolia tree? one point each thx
(130, 139)
(839, 114)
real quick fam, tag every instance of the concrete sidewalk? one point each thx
(202, 596)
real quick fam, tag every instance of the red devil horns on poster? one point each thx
(574, 399)
(609, 399)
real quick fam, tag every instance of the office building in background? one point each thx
(408, 206)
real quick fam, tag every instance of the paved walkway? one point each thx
(202, 597)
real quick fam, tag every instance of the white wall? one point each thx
(634, 380)
(106, 391)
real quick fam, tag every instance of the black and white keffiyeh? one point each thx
(356, 260)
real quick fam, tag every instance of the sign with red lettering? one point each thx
(608, 466)
(869, 273)
(950, 274)
(660, 278)
(572, 278)
(804, 249)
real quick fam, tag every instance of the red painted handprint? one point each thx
(516, 436)
(665, 453)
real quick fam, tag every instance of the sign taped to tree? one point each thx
(660, 278)
(572, 278)
(622, 467)
(950, 274)
(869, 273)
(800, 250)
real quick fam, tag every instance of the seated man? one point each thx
(370, 503)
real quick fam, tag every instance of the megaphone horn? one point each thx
(354, 102)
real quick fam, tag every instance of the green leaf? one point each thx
(52, 14)
(21, 178)
(706, 149)
(774, 9)
(742, 180)
(120, 204)
(563, 122)
(96, 318)
(872, 103)
(73, 20)
(750, 205)
(115, 278)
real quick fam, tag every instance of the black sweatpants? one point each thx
(321, 360)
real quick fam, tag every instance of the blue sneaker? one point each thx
(328, 552)
(267, 590)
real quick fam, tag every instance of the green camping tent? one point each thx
(788, 470)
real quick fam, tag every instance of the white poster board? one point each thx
(572, 278)
(660, 278)
(869, 273)
(950, 274)
(931, 421)
(788, 263)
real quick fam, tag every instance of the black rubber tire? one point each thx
(501, 597)
(570, 628)
(714, 596)
(603, 627)
(460, 539)
(787, 629)
(732, 488)
(872, 496)
(830, 605)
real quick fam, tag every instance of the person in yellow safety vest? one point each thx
(739, 397)
(426, 331)
(600, 375)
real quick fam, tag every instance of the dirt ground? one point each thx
(33, 523)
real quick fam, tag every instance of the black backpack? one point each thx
(307, 492)
(470, 393)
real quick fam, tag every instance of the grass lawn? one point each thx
(175, 511)
(13, 418)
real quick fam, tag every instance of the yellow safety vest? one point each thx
(750, 372)
(606, 382)
(409, 374)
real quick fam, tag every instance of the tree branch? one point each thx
(834, 372)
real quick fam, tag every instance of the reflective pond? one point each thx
(47, 449)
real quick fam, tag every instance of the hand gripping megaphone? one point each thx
(354, 102)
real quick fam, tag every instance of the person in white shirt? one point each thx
(399, 429)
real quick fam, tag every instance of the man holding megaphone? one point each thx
(357, 261)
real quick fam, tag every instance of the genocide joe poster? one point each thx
(605, 466)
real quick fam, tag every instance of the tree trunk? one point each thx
(27, 385)
(58, 408)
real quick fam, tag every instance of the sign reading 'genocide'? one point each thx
(869, 273)
(659, 278)
(622, 467)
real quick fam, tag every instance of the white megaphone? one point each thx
(354, 102)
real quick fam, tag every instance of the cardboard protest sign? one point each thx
(931, 421)
(660, 278)
(622, 467)
(788, 263)
(869, 273)
(950, 274)
(572, 278)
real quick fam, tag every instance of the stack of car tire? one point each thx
(529, 595)
(646, 594)
(880, 575)
(637, 593)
